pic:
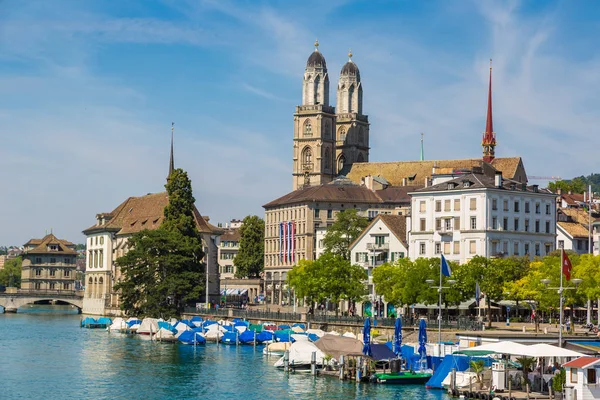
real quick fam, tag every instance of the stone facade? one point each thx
(48, 265)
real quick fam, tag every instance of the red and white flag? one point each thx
(566, 265)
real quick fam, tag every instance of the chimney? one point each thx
(426, 181)
(403, 181)
(434, 169)
(498, 179)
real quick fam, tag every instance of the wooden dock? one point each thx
(505, 395)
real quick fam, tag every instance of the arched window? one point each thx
(316, 89)
(351, 104)
(90, 281)
(342, 134)
(101, 280)
(341, 162)
(95, 280)
(327, 161)
(307, 156)
(307, 128)
(361, 136)
(326, 129)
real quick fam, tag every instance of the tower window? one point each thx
(327, 161)
(307, 128)
(341, 162)
(307, 156)
(342, 136)
(326, 129)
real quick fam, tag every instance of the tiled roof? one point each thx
(231, 235)
(479, 181)
(578, 215)
(572, 198)
(417, 171)
(582, 362)
(144, 212)
(574, 229)
(50, 239)
(397, 224)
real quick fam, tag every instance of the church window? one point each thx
(307, 128)
(327, 159)
(307, 157)
(101, 281)
(341, 162)
(326, 129)
(342, 135)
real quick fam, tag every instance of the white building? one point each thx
(596, 237)
(384, 240)
(481, 214)
(582, 379)
(229, 247)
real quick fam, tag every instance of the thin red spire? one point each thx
(489, 136)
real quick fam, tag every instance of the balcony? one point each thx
(445, 231)
(378, 247)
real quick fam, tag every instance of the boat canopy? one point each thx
(338, 345)
(517, 349)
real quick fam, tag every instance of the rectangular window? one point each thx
(38, 272)
(448, 224)
(456, 223)
(527, 207)
(537, 208)
(447, 205)
(457, 247)
(422, 248)
(547, 209)
(457, 205)
(472, 247)
(422, 206)
(527, 248)
(52, 272)
(379, 240)
(537, 249)
(329, 214)
(505, 224)
(473, 223)
(51, 285)
(591, 376)
(438, 224)
(473, 204)
(547, 226)
(446, 247)
(505, 205)
(548, 248)
(516, 249)
(438, 205)
(494, 204)
(561, 244)
(38, 260)
(573, 375)
(52, 260)
(494, 222)
(317, 213)
(526, 225)
(516, 224)
(37, 286)
(67, 273)
(438, 247)
(422, 225)
(66, 286)
(505, 248)
(516, 205)
(537, 226)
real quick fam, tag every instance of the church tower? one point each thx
(352, 128)
(314, 123)
(489, 136)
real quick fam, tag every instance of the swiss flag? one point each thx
(566, 265)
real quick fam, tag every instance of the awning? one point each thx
(517, 349)
(233, 292)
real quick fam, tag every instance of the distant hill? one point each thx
(578, 184)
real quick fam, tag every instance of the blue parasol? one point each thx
(367, 337)
(422, 338)
(397, 336)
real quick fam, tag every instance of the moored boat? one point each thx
(402, 378)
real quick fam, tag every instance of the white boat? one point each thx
(276, 348)
(164, 335)
(464, 380)
(213, 335)
(148, 326)
(300, 355)
(118, 325)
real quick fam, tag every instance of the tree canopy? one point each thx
(10, 275)
(249, 261)
(329, 277)
(577, 185)
(347, 227)
(163, 270)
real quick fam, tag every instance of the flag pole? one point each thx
(440, 306)
(560, 293)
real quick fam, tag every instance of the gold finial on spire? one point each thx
(350, 54)
(317, 44)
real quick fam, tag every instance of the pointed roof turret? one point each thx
(171, 161)
(489, 136)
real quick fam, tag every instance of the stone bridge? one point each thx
(14, 298)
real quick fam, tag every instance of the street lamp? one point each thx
(560, 290)
(430, 282)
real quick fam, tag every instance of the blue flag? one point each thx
(477, 293)
(445, 267)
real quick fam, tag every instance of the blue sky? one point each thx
(88, 91)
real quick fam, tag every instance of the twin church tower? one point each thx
(328, 140)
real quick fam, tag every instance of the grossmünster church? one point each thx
(331, 172)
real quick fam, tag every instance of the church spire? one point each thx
(489, 136)
(171, 161)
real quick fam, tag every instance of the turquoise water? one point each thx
(46, 355)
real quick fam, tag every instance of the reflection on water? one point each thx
(49, 356)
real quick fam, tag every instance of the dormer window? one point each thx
(53, 247)
(450, 185)
(466, 184)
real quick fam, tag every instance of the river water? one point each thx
(44, 354)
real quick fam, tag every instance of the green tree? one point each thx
(163, 270)
(347, 227)
(250, 258)
(10, 275)
(577, 185)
